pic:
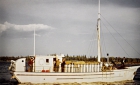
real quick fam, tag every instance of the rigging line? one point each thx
(121, 36)
(89, 48)
(93, 43)
(116, 40)
(90, 45)
(103, 41)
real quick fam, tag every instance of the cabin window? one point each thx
(47, 60)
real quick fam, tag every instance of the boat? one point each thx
(43, 69)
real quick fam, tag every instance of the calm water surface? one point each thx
(5, 76)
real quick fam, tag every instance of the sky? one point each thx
(69, 27)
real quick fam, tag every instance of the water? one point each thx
(5, 78)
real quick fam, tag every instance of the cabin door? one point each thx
(54, 63)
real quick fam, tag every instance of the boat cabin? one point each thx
(40, 63)
(46, 62)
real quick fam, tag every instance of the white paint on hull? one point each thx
(53, 77)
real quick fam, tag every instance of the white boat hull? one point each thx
(53, 77)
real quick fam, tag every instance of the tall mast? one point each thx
(34, 42)
(98, 30)
(34, 52)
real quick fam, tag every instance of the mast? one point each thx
(98, 37)
(34, 53)
(34, 42)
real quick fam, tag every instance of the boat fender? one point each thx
(47, 70)
(43, 70)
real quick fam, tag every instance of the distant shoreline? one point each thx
(117, 63)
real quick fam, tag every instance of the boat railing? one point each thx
(83, 68)
(68, 68)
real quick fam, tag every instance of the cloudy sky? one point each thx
(69, 27)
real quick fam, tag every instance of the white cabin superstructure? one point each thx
(40, 63)
(46, 62)
(19, 65)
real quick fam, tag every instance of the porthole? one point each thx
(41, 61)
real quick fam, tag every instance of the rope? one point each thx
(122, 37)
(116, 40)
(90, 46)
(103, 42)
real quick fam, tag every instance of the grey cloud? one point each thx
(24, 31)
(121, 3)
(75, 21)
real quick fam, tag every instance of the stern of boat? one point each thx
(17, 66)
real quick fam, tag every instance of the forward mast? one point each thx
(98, 30)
